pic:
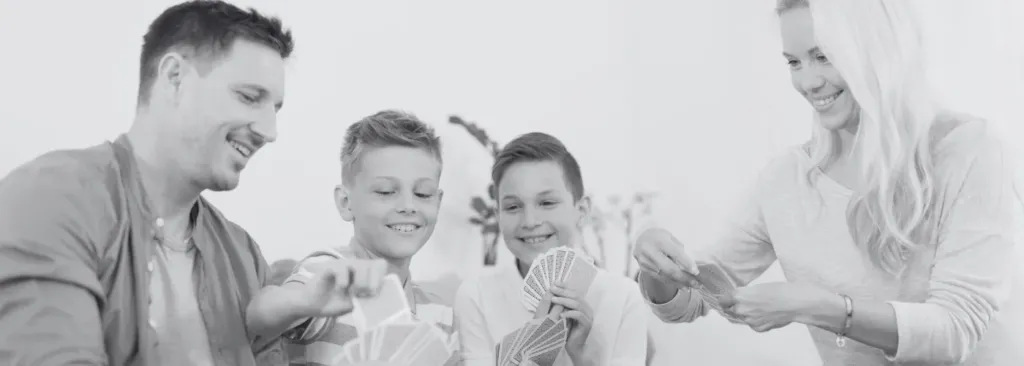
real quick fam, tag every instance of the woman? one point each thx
(893, 224)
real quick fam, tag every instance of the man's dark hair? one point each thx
(206, 28)
(539, 146)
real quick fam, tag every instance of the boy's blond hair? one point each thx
(383, 129)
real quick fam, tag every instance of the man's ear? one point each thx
(583, 206)
(342, 202)
(170, 73)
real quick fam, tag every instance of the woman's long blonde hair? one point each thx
(876, 47)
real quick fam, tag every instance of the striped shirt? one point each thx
(317, 341)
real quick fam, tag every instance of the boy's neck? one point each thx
(396, 266)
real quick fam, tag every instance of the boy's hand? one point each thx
(338, 281)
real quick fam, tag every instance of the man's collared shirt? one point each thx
(77, 240)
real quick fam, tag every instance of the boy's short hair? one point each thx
(384, 129)
(539, 146)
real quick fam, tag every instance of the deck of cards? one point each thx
(714, 284)
(559, 264)
(389, 334)
(540, 341)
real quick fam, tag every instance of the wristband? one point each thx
(847, 322)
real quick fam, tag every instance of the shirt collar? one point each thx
(124, 154)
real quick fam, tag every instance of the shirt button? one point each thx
(150, 265)
(152, 323)
(160, 222)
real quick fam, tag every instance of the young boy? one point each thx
(391, 168)
(541, 206)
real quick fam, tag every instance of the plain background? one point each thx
(688, 99)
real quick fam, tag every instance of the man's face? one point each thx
(224, 110)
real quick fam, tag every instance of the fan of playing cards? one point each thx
(388, 334)
(559, 264)
(713, 284)
(539, 341)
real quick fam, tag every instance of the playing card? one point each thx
(524, 333)
(561, 259)
(556, 333)
(533, 336)
(431, 352)
(549, 270)
(546, 356)
(353, 350)
(545, 275)
(581, 276)
(389, 304)
(392, 338)
(553, 339)
(714, 280)
(714, 283)
(506, 344)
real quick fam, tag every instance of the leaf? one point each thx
(490, 229)
(479, 205)
(476, 221)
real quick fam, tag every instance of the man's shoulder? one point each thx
(78, 169)
(80, 183)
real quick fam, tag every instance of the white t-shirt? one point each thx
(490, 306)
(174, 311)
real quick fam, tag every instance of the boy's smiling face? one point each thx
(536, 210)
(393, 199)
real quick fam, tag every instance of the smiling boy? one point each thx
(542, 206)
(389, 191)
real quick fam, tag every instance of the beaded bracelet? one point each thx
(841, 339)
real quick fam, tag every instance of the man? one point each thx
(109, 255)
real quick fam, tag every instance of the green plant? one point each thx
(486, 209)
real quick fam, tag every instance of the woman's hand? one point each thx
(580, 318)
(661, 256)
(773, 305)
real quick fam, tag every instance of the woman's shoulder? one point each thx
(964, 134)
(961, 141)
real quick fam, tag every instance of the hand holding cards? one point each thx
(539, 341)
(714, 283)
(559, 264)
(388, 334)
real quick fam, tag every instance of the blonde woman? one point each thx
(893, 224)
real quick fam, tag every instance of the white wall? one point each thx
(610, 79)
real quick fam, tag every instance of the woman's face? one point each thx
(813, 75)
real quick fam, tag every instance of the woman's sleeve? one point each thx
(971, 274)
(742, 252)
